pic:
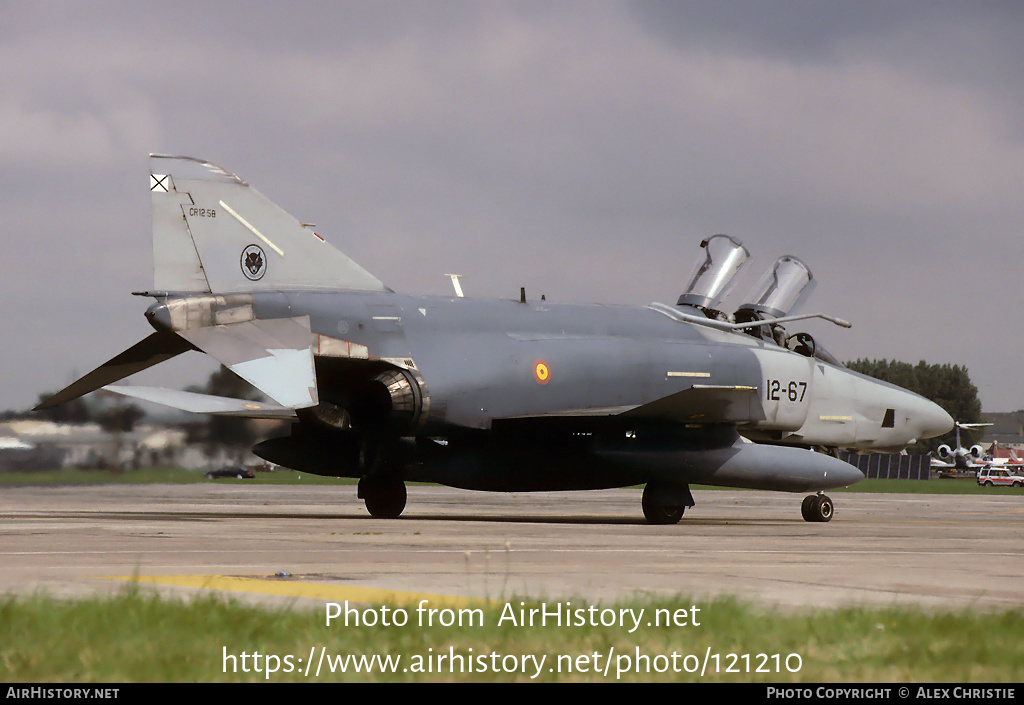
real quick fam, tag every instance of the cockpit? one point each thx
(776, 295)
(804, 344)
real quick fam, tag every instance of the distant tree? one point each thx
(229, 430)
(121, 417)
(87, 409)
(225, 383)
(947, 385)
(74, 411)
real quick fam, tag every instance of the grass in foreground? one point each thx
(137, 637)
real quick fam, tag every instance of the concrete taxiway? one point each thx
(318, 542)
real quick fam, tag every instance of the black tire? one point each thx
(658, 513)
(817, 507)
(807, 507)
(384, 500)
(824, 509)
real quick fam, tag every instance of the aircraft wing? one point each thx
(205, 403)
(698, 404)
(704, 404)
(274, 355)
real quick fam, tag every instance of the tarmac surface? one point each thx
(301, 543)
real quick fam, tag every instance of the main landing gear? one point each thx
(665, 504)
(817, 507)
(384, 496)
(382, 487)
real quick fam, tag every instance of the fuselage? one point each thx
(476, 361)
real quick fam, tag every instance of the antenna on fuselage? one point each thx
(456, 284)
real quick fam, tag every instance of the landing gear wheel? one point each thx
(805, 507)
(656, 511)
(817, 507)
(385, 499)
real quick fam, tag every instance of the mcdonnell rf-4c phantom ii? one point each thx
(508, 395)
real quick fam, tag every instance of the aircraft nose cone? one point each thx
(931, 420)
(844, 477)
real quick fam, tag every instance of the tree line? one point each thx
(947, 385)
(114, 414)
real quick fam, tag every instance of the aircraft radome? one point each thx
(507, 395)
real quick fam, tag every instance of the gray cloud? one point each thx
(579, 149)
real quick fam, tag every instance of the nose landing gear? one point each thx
(817, 507)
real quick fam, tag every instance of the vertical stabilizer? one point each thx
(212, 232)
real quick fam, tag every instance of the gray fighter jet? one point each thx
(508, 395)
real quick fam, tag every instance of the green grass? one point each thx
(137, 637)
(75, 476)
(933, 486)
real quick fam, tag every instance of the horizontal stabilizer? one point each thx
(156, 348)
(704, 404)
(274, 355)
(204, 403)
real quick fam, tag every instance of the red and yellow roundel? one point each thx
(541, 372)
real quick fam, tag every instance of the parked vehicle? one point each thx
(236, 471)
(991, 477)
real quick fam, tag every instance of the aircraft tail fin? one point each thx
(213, 232)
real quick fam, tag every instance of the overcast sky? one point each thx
(579, 149)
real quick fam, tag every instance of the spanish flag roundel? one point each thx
(541, 372)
